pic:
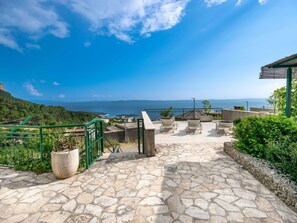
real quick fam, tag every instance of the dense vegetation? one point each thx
(13, 109)
(278, 99)
(273, 138)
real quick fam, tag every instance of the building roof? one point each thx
(278, 69)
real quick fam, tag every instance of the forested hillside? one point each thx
(12, 108)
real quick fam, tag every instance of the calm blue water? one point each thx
(114, 108)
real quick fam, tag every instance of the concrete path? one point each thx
(182, 183)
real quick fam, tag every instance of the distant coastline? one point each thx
(116, 108)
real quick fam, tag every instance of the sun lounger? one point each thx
(168, 125)
(224, 127)
(194, 126)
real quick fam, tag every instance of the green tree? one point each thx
(278, 99)
(14, 108)
(206, 106)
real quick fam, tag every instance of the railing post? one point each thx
(101, 136)
(96, 137)
(87, 147)
(143, 145)
(138, 135)
(41, 144)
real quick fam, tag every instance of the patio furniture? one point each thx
(194, 126)
(168, 124)
(224, 127)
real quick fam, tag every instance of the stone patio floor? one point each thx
(182, 183)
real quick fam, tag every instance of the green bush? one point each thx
(36, 166)
(283, 155)
(273, 138)
(253, 134)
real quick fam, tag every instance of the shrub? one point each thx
(167, 113)
(273, 138)
(255, 133)
(283, 155)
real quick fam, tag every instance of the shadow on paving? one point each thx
(23, 179)
(122, 157)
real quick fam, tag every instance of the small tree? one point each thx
(206, 106)
(278, 99)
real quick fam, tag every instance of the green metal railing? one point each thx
(154, 113)
(25, 144)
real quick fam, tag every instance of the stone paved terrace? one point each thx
(194, 182)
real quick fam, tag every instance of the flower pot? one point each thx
(65, 163)
(167, 121)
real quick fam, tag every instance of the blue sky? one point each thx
(74, 50)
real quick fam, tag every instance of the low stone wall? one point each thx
(270, 110)
(231, 115)
(131, 131)
(118, 133)
(279, 184)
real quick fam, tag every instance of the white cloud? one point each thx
(263, 2)
(32, 90)
(129, 18)
(30, 17)
(56, 83)
(98, 96)
(61, 96)
(32, 46)
(7, 39)
(101, 96)
(238, 3)
(214, 2)
(87, 44)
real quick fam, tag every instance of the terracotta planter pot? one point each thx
(65, 163)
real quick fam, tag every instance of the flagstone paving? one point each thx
(182, 183)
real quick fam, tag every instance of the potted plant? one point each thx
(206, 108)
(241, 108)
(65, 155)
(167, 117)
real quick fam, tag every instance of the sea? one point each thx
(134, 107)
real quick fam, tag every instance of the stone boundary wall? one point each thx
(279, 184)
(270, 110)
(116, 135)
(231, 115)
(119, 134)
